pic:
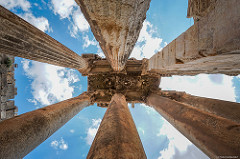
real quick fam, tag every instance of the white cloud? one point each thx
(70, 10)
(72, 131)
(79, 23)
(61, 144)
(50, 83)
(211, 86)
(12, 4)
(148, 44)
(92, 131)
(88, 42)
(63, 8)
(39, 22)
(54, 144)
(179, 147)
(176, 140)
(219, 87)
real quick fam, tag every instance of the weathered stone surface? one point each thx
(225, 109)
(10, 113)
(98, 65)
(7, 87)
(19, 38)
(214, 135)
(134, 87)
(133, 81)
(211, 45)
(21, 134)
(117, 136)
(10, 105)
(116, 26)
(200, 8)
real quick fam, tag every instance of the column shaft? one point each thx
(116, 26)
(214, 135)
(117, 136)
(21, 39)
(225, 109)
(21, 134)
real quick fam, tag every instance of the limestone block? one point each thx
(10, 113)
(4, 98)
(199, 8)
(3, 114)
(10, 91)
(15, 91)
(10, 77)
(3, 106)
(10, 105)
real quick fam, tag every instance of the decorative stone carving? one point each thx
(135, 88)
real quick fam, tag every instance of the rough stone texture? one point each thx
(7, 88)
(199, 8)
(117, 136)
(132, 81)
(21, 134)
(19, 38)
(135, 88)
(214, 135)
(211, 45)
(225, 109)
(98, 65)
(116, 26)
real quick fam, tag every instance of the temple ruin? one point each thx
(7, 87)
(211, 45)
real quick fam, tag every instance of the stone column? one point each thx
(21, 134)
(21, 39)
(116, 26)
(214, 135)
(117, 136)
(225, 109)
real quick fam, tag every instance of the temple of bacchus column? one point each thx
(211, 45)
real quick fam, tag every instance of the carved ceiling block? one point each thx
(135, 87)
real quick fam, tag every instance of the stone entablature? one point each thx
(7, 88)
(133, 81)
(135, 88)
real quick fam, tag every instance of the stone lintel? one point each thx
(133, 82)
(98, 65)
(211, 45)
(135, 88)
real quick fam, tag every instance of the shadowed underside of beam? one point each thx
(21, 39)
(211, 45)
(116, 26)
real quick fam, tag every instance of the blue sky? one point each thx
(41, 84)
